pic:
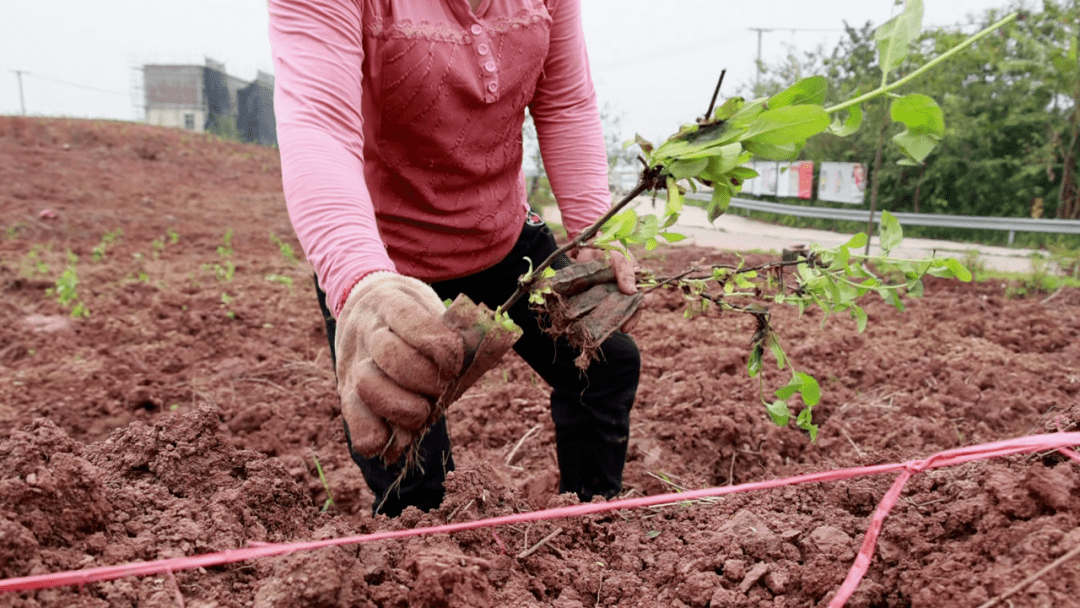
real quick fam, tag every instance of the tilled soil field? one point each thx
(186, 413)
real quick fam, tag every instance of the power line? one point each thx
(762, 30)
(70, 84)
(663, 53)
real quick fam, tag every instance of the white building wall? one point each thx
(175, 118)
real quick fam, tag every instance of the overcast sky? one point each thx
(655, 63)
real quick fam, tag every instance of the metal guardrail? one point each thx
(1010, 224)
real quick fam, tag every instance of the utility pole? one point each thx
(762, 30)
(757, 66)
(22, 101)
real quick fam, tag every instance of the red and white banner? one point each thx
(842, 183)
(796, 180)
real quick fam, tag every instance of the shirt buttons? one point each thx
(476, 30)
(482, 49)
(490, 66)
(492, 86)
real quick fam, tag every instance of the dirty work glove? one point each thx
(622, 263)
(624, 267)
(585, 303)
(394, 357)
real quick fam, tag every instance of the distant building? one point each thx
(205, 98)
(255, 111)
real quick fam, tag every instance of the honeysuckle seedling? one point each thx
(712, 154)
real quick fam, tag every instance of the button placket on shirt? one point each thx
(486, 61)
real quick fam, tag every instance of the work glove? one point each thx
(394, 359)
(624, 272)
(586, 302)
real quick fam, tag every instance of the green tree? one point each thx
(1010, 106)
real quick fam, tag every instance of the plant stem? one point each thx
(919, 72)
(877, 174)
(524, 286)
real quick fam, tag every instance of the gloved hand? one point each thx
(622, 262)
(624, 266)
(394, 358)
(586, 304)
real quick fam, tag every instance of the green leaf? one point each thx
(891, 232)
(683, 169)
(646, 145)
(857, 241)
(787, 125)
(806, 91)
(675, 198)
(890, 296)
(773, 152)
(920, 113)
(627, 223)
(672, 237)
(895, 36)
(860, 318)
(958, 270)
(848, 126)
(721, 198)
(743, 173)
(652, 534)
(924, 122)
(788, 391)
(778, 352)
(915, 288)
(527, 276)
(842, 258)
(805, 422)
(648, 227)
(811, 392)
(726, 159)
(729, 108)
(916, 147)
(695, 142)
(779, 413)
(753, 364)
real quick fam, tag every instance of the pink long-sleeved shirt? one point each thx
(400, 122)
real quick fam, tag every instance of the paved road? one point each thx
(738, 233)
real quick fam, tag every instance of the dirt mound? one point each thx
(187, 411)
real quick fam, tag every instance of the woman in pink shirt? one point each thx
(400, 130)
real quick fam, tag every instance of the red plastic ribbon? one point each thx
(1024, 445)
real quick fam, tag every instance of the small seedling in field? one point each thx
(66, 289)
(226, 250)
(174, 236)
(285, 250)
(32, 264)
(98, 253)
(14, 231)
(280, 279)
(326, 485)
(226, 299)
(224, 270)
(140, 273)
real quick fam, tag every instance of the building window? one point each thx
(189, 121)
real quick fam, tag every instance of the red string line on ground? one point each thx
(1024, 445)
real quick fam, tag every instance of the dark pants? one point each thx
(591, 410)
